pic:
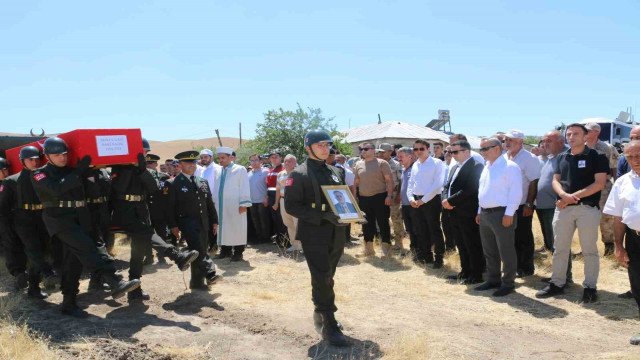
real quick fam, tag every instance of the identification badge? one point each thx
(582, 164)
(40, 176)
(161, 183)
(184, 189)
(1, 188)
(288, 182)
(335, 178)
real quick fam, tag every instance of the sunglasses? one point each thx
(365, 149)
(455, 152)
(487, 148)
(254, 160)
(419, 149)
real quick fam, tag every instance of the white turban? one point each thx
(206, 152)
(224, 150)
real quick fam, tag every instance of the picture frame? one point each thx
(338, 195)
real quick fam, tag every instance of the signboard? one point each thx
(112, 145)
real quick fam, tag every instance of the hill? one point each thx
(168, 149)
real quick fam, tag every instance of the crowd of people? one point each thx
(57, 220)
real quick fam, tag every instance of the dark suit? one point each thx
(350, 208)
(464, 199)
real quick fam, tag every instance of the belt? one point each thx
(271, 189)
(494, 209)
(581, 203)
(418, 197)
(132, 197)
(64, 204)
(98, 200)
(32, 207)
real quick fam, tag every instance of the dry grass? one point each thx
(409, 347)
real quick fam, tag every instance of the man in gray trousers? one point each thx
(499, 195)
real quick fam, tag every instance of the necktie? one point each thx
(193, 181)
(344, 208)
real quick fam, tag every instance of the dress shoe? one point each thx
(331, 333)
(120, 288)
(212, 278)
(37, 293)
(589, 295)
(148, 260)
(70, 308)
(549, 291)
(503, 291)
(236, 257)
(457, 277)
(138, 295)
(471, 281)
(626, 295)
(487, 285)
(522, 273)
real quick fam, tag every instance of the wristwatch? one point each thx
(530, 205)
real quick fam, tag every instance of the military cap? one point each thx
(190, 156)
(152, 158)
(275, 152)
(378, 151)
(385, 147)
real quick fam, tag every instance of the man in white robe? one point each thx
(232, 198)
(207, 171)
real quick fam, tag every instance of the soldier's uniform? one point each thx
(189, 207)
(15, 257)
(396, 212)
(322, 237)
(606, 221)
(157, 209)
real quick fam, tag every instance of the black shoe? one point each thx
(635, 340)
(213, 278)
(471, 280)
(70, 308)
(198, 285)
(522, 273)
(457, 277)
(122, 287)
(22, 281)
(96, 283)
(428, 259)
(486, 286)
(627, 295)
(438, 263)
(183, 259)
(545, 280)
(138, 295)
(50, 280)
(331, 333)
(222, 255)
(609, 249)
(549, 291)
(589, 295)
(148, 260)
(317, 322)
(37, 293)
(161, 259)
(236, 257)
(503, 290)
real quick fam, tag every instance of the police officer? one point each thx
(15, 257)
(21, 201)
(156, 205)
(66, 217)
(190, 210)
(322, 236)
(97, 184)
(130, 186)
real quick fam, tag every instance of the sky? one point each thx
(180, 69)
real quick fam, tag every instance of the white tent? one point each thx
(393, 132)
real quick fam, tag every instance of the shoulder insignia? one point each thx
(335, 178)
(1, 188)
(184, 189)
(288, 182)
(114, 175)
(165, 190)
(39, 176)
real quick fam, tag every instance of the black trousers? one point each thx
(277, 225)
(71, 271)
(142, 235)
(450, 241)
(524, 242)
(467, 235)
(429, 232)
(632, 245)
(197, 239)
(230, 250)
(376, 212)
(322, 257)
(32, 232)
(162, 230)
(15, 257)
(100, 228)
(261, 221)
(408, 214)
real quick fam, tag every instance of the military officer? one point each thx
(59, 188)
(190, 211)
(156, 205)
(15, 257)
(21, 201)
(130, 186)
(322, 236)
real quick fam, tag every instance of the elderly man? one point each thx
(258, 211)
(530, 169)
(499, 195)
(396, 213)
(232, 197)
(580, 176)
(207, 171)
(623, 206)
(606, 221)
(277, 225)
(289, 220)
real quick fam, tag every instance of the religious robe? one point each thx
(230, 192)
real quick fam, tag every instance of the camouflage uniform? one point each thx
(606, 221)
(396, 212)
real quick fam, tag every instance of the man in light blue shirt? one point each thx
(259, 211)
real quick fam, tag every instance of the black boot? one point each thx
(36, 293)
(138, 295)
(198, 284)
(148, 260)
(212, 278)
(438, 263)
(182, 258)
(237, 256)
(96, 283)
(331, 333)
(50, 279)
(161, 259)
(69, 307)
(317, 322)
(120, 287)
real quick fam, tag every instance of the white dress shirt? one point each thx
(349, 177)
(530, 167)
(208, 173)
(624, 200)
(455, 174)
(426, 179)
(500, 185)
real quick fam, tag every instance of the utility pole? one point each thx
(240, 125)
(379, 119)
(218, 135)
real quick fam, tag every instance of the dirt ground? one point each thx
(390, 309)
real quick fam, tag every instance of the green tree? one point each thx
(285, 130)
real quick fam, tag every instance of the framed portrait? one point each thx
(342, 203)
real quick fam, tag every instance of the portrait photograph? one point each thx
(343, 203)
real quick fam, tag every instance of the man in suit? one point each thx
(342, 205)
(460, 196)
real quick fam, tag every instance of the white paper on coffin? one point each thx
(112, 145)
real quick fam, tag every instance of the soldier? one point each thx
(21, 201)
(156, 204)
(15, 258)
(190, 211)
(395, 211)
(67, 218)
(129, 189)
(322, 236)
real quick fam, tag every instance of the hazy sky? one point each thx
(180, 69)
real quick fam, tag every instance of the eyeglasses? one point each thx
(254, 160)
(365, 149)
(446, 151)
(455, 152)
(419, 149)
(484, 149)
